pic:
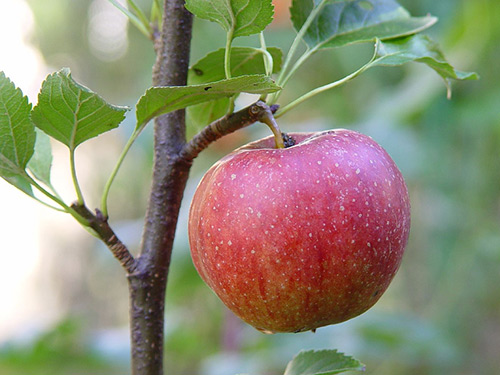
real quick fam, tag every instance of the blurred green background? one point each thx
(441, 315)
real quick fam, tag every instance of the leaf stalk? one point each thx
(76, 184)
(107, 187)
(139, 21)
(227, 65)
(58, 200)
(329, 86)
(298, 38)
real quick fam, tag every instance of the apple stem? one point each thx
(224, 126)
(267, 118)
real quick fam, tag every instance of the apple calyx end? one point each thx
(288, 140)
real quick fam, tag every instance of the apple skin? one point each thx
(298, 238)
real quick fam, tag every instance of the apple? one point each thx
(302, 237)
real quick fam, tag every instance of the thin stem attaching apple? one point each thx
(267, 118)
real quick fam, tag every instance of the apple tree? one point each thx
(293, 232)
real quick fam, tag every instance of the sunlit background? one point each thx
(63, 298)
(19, 218)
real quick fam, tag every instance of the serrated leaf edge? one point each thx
(141, 121)
(66, 79)
(15, 166)
(361, 366)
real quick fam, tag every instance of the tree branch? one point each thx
(147, 284)
(101, 226)
(226, 125)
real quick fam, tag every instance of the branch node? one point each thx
(99, 223)
(100, 216)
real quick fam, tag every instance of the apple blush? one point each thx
(301, 237)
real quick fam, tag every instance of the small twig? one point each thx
(226, 125)
(99, 223)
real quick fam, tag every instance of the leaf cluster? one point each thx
(67, 112)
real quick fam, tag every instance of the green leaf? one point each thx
(41, 162)
(352, 21)
(71, 113)
(322, 362)
(241, 17)
(418, 48)
(200, 115)
(244, 61)
(159, 100)
(20, 182)
(17, 132)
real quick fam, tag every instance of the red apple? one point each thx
(298, 238)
